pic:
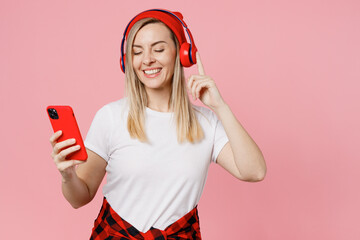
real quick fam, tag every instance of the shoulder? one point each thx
(115, 106)
(112, 110)
(205, 114)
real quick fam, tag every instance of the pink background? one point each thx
(289, 70)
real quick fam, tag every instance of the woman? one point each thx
(154, 145)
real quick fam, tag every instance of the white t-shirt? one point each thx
(156, 183)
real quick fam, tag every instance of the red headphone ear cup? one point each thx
(122, 60)
(193, 54)
(185, 55)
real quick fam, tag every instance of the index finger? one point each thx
(199, 64)
(54, 137)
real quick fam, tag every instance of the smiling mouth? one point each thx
(152, 72)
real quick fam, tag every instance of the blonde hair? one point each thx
(187, 124)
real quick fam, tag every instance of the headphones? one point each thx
(174, 21)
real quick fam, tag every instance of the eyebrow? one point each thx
(153, 44)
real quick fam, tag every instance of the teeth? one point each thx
(153, 71)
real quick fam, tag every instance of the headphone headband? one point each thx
(172, 20)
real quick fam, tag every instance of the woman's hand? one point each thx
(203, 87)
(60, 151)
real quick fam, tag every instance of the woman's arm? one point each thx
(240, 156)
(80, 180)
(81, 186)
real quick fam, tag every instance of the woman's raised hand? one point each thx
(59, 153)
(203, 87)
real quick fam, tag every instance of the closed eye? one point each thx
(160, 50)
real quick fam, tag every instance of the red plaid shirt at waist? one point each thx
(109, 225)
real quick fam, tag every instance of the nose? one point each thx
(148, 58)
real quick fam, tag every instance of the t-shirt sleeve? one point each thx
(220, 138)
(99, 134)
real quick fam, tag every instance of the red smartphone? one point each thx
(63, 118)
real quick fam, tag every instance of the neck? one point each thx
(159, 99)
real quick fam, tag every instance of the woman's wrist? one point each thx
(68, 175)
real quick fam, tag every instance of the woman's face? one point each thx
(154, 54)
